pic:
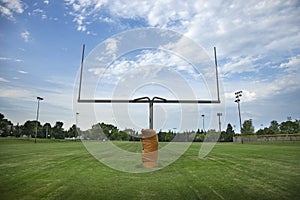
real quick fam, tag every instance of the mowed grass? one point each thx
(65, 170)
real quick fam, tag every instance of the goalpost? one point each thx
(146, 99)
(149, 67)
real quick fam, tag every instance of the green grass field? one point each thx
(65, 170)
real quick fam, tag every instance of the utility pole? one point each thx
(37, 116)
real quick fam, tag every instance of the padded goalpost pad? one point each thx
(150, 148)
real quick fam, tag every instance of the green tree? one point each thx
(289, 127)
(40, 133)
(6, 126)
(264, 131)
(228, 134)
(124, 135)
(274, 128)
(162, 136)
(29, 128)
(114, 134)
(99, 131)
(47, 130)
(247, 127)
(199, 137)
(110, 131)
(212, 135)
(132, 134)
(58, 131)
(17, 130)
(72, 132)
(169, 136)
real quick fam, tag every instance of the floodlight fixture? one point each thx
(239, 92)
(237, 100)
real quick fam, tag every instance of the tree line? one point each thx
(286, 127)
(102, 131)
(28, 129)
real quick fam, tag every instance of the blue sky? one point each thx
(258, 44)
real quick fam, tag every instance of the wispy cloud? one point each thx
(39, 12)
(14, 93)
(285, 82)
(3, 80)
(22, 72)
(242, 31)
(25, 35)
(291, 65)
(239, 65)
(5, 58)
(10, 59)
(10, 7)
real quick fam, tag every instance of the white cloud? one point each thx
(22, 72)
(25, 35)
(5, 58)
(111, 47)
(10, 7)
(46, 2)
(96, 71)
(238, 29)
(6, 12)
(249, 35)
(3, 80)
(83, 9)
(292, 65)
(247, 96)
(239, 65)
(18, 60)
(146, 58)
(38, 12)
(14, 93)
(285, 82)
(156, 13)
(10, 59)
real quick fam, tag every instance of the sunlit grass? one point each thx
(65, 170)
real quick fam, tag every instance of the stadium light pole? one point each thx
(76, 125)
(203, 122)
(219, 115)
(37, 116)
(77, 118)
(237, 100)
